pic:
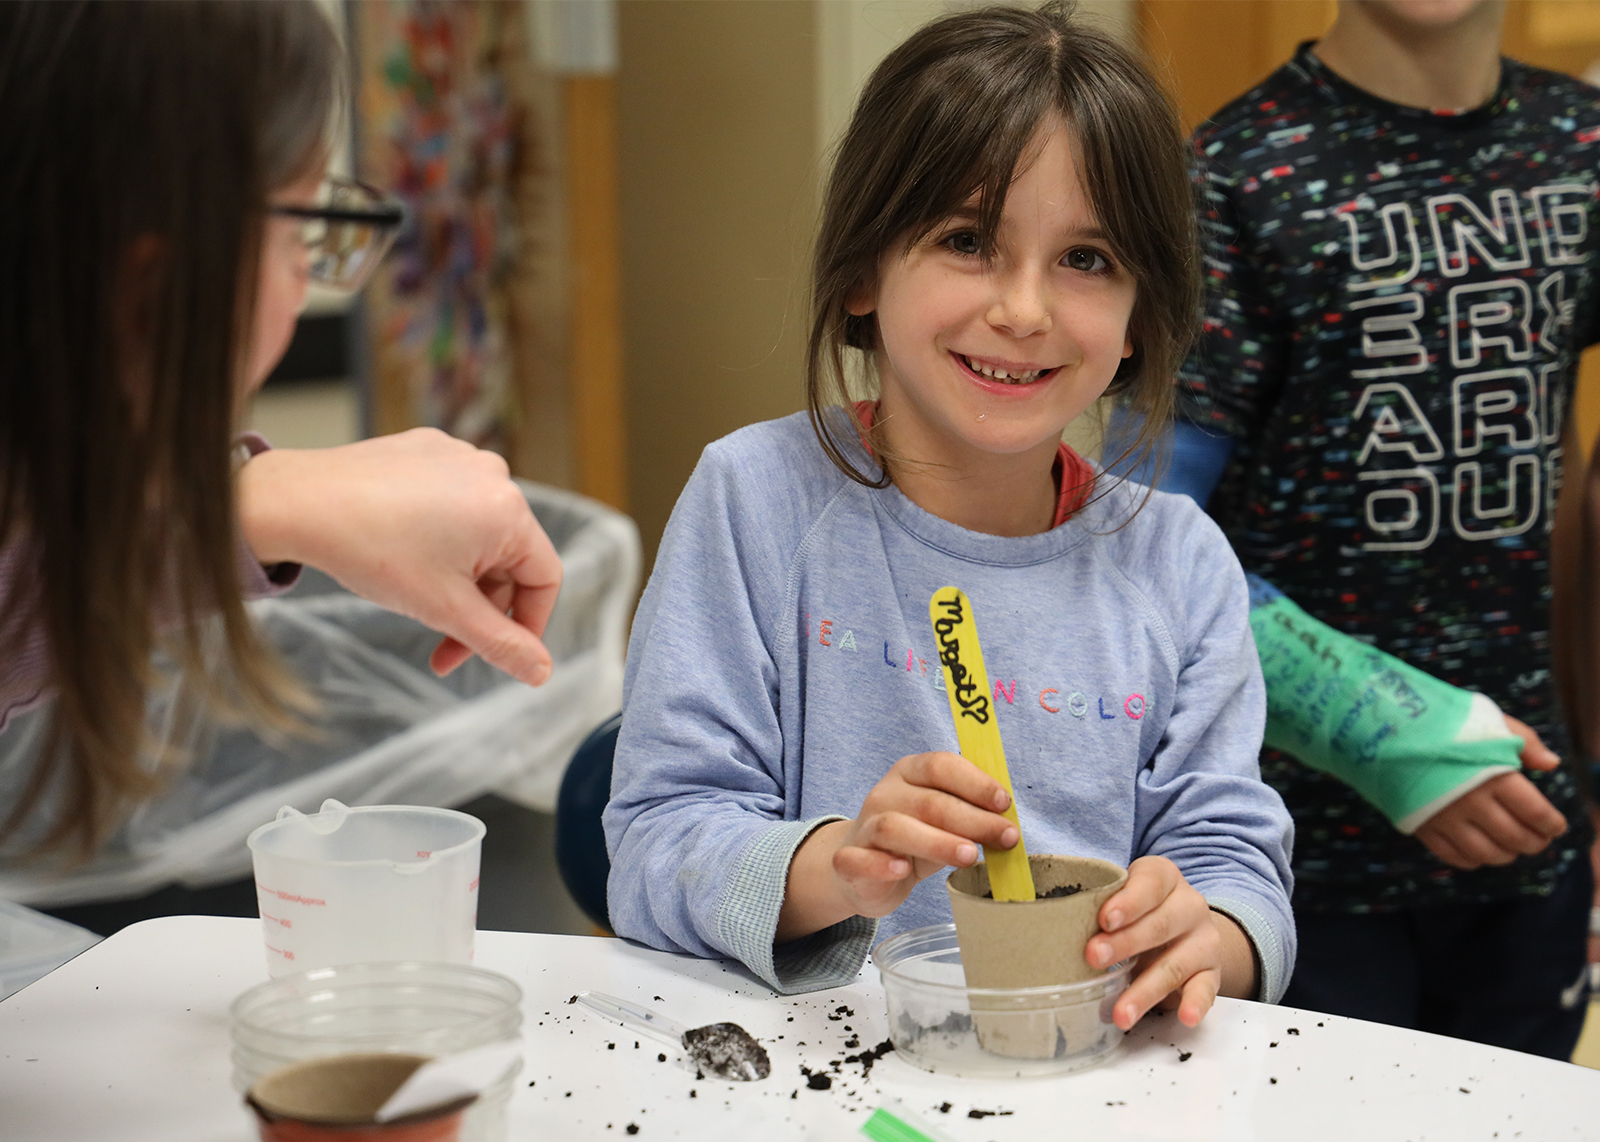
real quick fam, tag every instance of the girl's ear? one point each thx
(1127, 346)
(862, 301)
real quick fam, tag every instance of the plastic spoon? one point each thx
(724, 1050)
(450, 1078)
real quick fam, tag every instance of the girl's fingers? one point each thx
(906, 836)
(1180, 914)
(1174, 970)
(953, 815)
(1150, 881)
(1198, 996)
(855, 863)
(955, 775)
(1148, 912)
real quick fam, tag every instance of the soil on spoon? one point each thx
(727, 1051)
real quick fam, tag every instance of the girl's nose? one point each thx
(1021, 304)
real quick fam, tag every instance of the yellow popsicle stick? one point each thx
(966, 684)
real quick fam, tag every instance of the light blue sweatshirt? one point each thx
(782, 660)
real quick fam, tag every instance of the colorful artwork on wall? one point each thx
(438, 129)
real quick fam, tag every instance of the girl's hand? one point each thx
(1187, 953)
(420, 523)
(929, 811)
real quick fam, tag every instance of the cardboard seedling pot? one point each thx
(1033, 944)
(334, 1099)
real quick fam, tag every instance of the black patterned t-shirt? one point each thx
(1397, 299)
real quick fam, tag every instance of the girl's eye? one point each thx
(1087, 260)
(964, 242)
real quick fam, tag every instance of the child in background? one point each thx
(1400, 297)
(1008, 233)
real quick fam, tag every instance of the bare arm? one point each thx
(423, 524)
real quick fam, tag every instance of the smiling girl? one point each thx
(1007, 236)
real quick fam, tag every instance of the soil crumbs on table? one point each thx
(868, 1057)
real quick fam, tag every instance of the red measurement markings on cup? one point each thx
(291, 897)
(277, 920)
(288, 955)
(424, 854)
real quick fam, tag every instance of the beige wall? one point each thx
(717, 129)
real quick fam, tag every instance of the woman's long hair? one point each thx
(138, 147)
(949, 114)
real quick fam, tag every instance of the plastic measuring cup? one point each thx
(377, 882)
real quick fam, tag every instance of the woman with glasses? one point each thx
(162, 210)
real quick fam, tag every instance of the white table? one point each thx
(130, 1042)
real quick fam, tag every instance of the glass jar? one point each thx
(409, 1008)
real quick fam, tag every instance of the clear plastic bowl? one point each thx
(408, 1008)
(940, 1024)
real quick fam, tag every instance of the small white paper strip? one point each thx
(450, 1077)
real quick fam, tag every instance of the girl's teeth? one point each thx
(1001, 374)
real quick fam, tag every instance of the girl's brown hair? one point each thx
(949, 114)
(138, 148)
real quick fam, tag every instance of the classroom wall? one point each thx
(716, 113)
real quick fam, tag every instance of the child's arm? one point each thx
(697, 826)
(1199, 800)
(1436, 760)
(1461, 796)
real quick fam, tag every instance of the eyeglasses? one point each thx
(347, 232)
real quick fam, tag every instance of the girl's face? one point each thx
(281, 289)
(982, 361)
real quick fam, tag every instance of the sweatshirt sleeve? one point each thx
(697, 829)
(255, 580)
(1200, 799)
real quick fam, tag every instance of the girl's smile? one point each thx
(1009, 374)
(982, 363)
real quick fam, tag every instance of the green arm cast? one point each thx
(1398, 736)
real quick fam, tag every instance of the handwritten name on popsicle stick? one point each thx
(973, 702)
